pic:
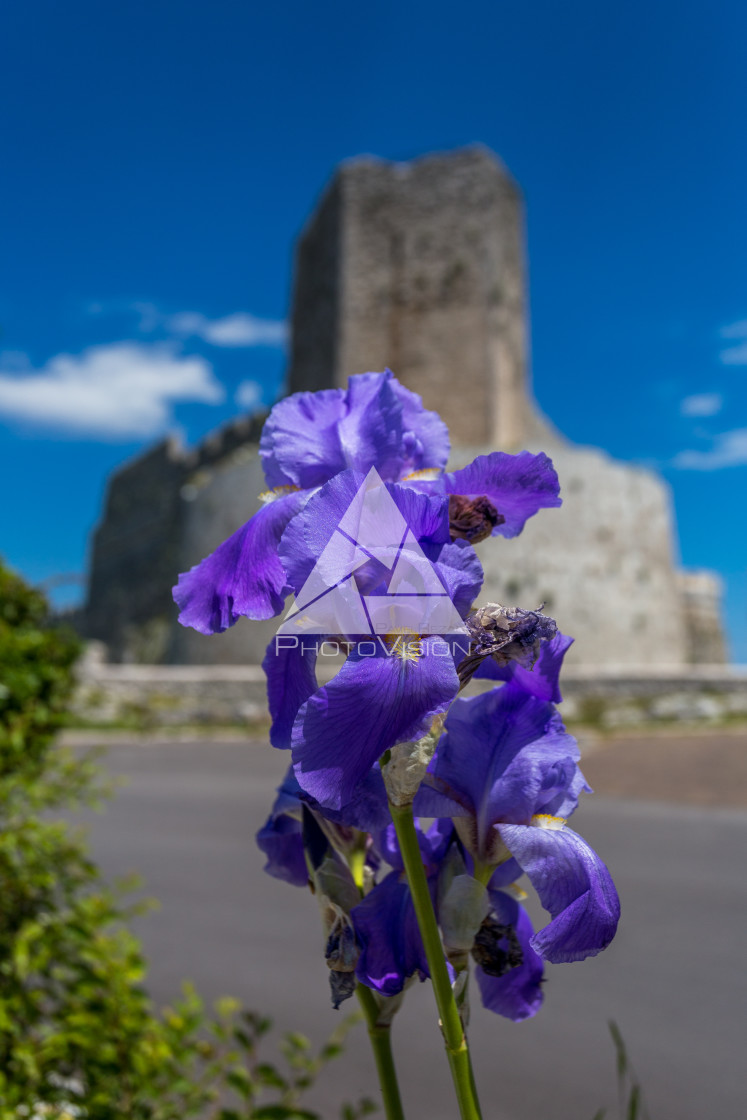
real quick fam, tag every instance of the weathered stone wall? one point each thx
(420, 267)
(603, 563)
(701, 593)
(134, 552)
(144, 539)
(215, 502)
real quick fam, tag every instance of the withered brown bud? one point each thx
(505, 634)
(472, 519)
(497, 948)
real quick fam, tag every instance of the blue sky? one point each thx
(160, 158)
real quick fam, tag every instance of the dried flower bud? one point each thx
(472, 519)
(341, 986)
(505, 634)
(497, 948)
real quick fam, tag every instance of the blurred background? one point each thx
(582, 230)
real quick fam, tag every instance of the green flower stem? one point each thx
(451, 1023)
(381, 1044)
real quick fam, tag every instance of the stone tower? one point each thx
(420, 267)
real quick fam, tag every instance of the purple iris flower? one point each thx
(542, 679)
(573, 884)
(515, 486)
(509, 971)
(390, 687)
(507, 771)
(307, 439)
(495, 494)
(391, 948)
(281, 836)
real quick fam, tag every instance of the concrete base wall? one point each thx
(145, 696)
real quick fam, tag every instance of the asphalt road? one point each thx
(674, 979)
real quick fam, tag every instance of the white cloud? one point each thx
(239, 329)
(702, 404)
(735, 355)
(119, 391)
(729, 450)
(248, 395)
(735, 330)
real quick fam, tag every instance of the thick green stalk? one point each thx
(451, 1024)
(381, 1043)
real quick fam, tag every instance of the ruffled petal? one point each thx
(291, 680)
(426, 442)
(340, 502)
(373, 702)
(368, 809)
(461, 571)
(518, 993)
(391, 946)
(372, 433)
(310, 437)
(300, 442)
(281, 841)
(433, 843)
(542, 680)
(500, 753)
(573, 885)
(244, 576)
(517, 485)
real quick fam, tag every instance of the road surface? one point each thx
(674, 979)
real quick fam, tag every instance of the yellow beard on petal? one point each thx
(544, 820)
(277, 492)
(405, 644)
(426, 474)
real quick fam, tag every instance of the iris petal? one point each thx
(518, 993)
(291, 679)
(542, 680)
(243, 576)
(387, 929)
(501, 758)
(282, 844)
(373, 702)
(307, 536)
(426, 437)
(517, 485)
(461, 571)
(573, 885)
(310, 437)
(281, 839)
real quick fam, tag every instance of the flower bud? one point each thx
(472, 519)
(462, 912)
(497, 948)
(407, 764)
(505, 634)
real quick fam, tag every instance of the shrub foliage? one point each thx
(78, 1033)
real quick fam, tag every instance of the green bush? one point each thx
(78, 1033)
(36, 679)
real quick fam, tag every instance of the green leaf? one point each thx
(634, 1103)
(240, 1080)
(622, 1056)
(267, 1075)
